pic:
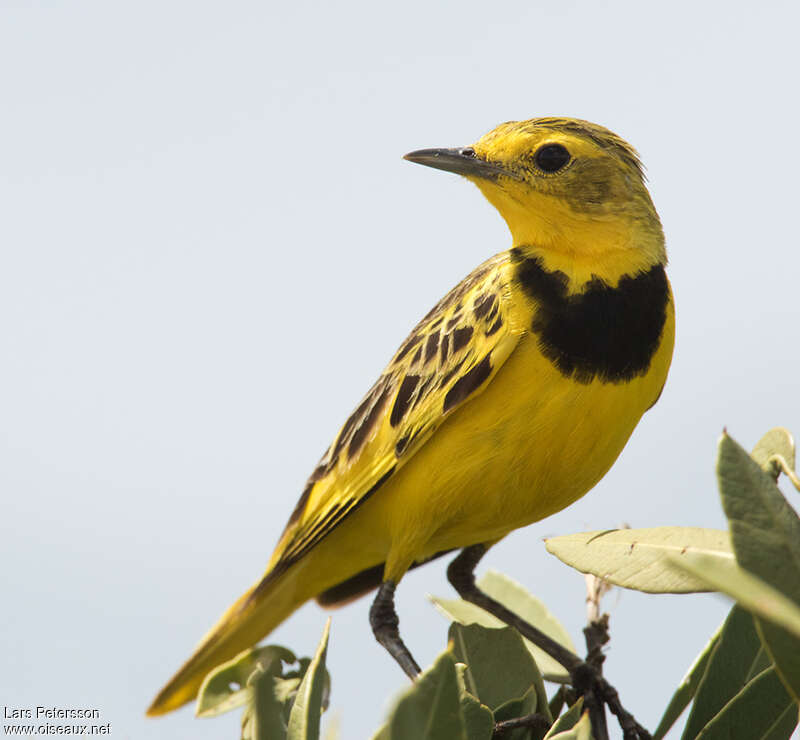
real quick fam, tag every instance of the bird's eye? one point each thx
(551, 157)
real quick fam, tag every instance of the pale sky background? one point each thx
(211, 246)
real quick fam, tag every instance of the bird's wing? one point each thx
(449, 357)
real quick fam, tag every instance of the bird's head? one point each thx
(564, 185)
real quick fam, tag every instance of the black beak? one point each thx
(462, 161)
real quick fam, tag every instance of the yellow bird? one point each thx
(508, 401)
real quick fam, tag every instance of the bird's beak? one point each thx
(462, 161)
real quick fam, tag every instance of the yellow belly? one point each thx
(531, 444)
(528, 446)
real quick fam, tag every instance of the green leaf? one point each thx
(581, 731)
(765, 531)
(478, 718)
(775, 446)
(266, 715)
(304, 719)
(285, 689)
(382, 733)
(430, 709)
(784, 726)
(518, 708)
(783, 649)
(557, 702)
(638, 558)
(566, 721)
(761, 662)
(228, 686)
(762, 709)
(524, 604)
(247, 725)
(750, 591)
(687, 688)
(522, 707)
(499, 668)
(516, 598)
(727, 670)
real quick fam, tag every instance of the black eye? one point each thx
(551, 157)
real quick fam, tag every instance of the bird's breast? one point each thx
(540, 436)
(609, 332)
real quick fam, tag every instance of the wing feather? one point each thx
(449, 357)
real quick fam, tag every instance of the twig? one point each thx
(597, 636)
(535, 721)
(586, 678)
(596, 589)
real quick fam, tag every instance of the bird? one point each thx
(507, 402)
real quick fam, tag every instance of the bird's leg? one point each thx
(461, 574)
(585, 677)
(384, 622)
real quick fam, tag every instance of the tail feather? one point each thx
(254, 615)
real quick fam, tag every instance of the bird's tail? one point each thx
(259, 611)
